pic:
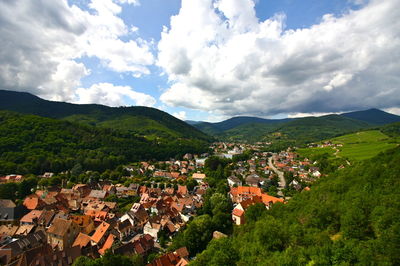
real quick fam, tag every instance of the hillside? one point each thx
(348, 218)
(33, 144)
(143, 121)
(373, 116)
(234, 122)
(357, 146)
(295, 131)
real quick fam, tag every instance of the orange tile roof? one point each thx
(32, 202)
(31, 216)
(246, 190)
(100, 232)
(82, 220)
(182, 190)
(199, 176)
(108, 244)
(267, 199)
(238, 212)
(82, 240)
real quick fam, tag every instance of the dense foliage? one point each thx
(285, 132)
(32, 144)
(215, 215)
(143, 121)
(110, 259)
(351, 217)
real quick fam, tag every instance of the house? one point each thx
(83, 189)
(182, 190)
(152, 229)
(233, 180)
(97, 194)
(316, 173)
(9, 212)
(25, 230)
(34, 202)
(124, 228)
(137, 216)
(253, 180)
(143, 244)
(31, 218)
(241, 193)
(46, 218)
(240, 209)
(107, 244)
(84, 222)
(99, 236)
(199, 177)
(13, 249)
(62, 233)
(172, 258)
(8, 230)
(45, 256)
(82, 240)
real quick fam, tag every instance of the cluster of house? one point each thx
(57, 226)
(172, 169)
(244, 197)
(253, 172)
(11, 178)
(287, 161)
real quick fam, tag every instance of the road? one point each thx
(282, 181)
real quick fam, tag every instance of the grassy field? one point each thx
(358, 146)
(364, 145)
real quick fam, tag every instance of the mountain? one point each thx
(34, 144)
(373, 116)
(295, 131)
(219, 127)
(191, 122)
(142, 121)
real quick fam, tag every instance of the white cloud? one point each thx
(394, 110)
(298, 115)
(40, 41)
(111, 95)
(180, 115)
(219, 56)
(134, 2)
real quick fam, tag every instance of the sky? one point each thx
(206, 60)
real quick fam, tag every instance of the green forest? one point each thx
(31, 144)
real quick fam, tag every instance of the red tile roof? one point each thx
(109, 242)
(100, 232)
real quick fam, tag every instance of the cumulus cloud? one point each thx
(41, 40)
(180, 115)
(218, 56)
(111, 95)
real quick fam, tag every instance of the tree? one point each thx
(255, 212)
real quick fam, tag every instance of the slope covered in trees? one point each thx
(351, 217)
(33, 144)
(295, 131)
(139, 120)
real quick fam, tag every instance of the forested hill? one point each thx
(33, 144)
(144, 121)
(298, 130)
(373, 116)
(351, 217)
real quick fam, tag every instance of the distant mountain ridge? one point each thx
(373, 116)
(305, 128)
(140, 120)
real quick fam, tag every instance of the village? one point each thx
(56, 224)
